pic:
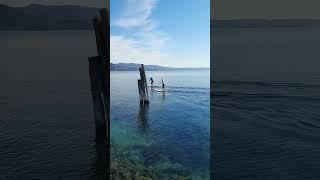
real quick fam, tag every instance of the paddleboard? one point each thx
(158, 90)
(153, 86)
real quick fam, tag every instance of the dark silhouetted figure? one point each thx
(162, 83)
(151, 82)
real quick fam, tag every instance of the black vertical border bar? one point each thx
(108, 82)
(211, 89)
(107, 76)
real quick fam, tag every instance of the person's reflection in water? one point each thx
(101, 163)
(163, 96)
(143, 117)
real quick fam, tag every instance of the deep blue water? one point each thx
(266, 104)
(46, 115)
(173, 129)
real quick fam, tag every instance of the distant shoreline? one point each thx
(178, 69)
(135, 67)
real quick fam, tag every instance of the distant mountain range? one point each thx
(41, 17)
(265, 23)
(135, 67)
(69, 17)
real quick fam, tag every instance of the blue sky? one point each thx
(172, 33)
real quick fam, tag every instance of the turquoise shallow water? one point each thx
(170, 137)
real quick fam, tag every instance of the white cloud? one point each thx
(137, 13)
(129, 50)
(147, 43)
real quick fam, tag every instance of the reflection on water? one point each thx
(102, 160)
(163, 96)
(143, 117)
(154, 93)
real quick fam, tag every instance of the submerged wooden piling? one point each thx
(142, 86)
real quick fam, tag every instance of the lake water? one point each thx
(266, 101)
(46, 114)
(169, 138)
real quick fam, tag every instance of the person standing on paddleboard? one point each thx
(151, 82)
(162, 82)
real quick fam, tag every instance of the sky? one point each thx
(161, 32)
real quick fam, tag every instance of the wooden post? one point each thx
(140, 91)
(97, 91)
(99, 70)
(144, 80)
(142, 86)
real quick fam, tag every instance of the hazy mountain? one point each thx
(41, 17)
(264, 23)
(135, 67)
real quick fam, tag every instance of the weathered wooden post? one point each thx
(99, 70)
(140, 91)
(99, 102)
(143, 87)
